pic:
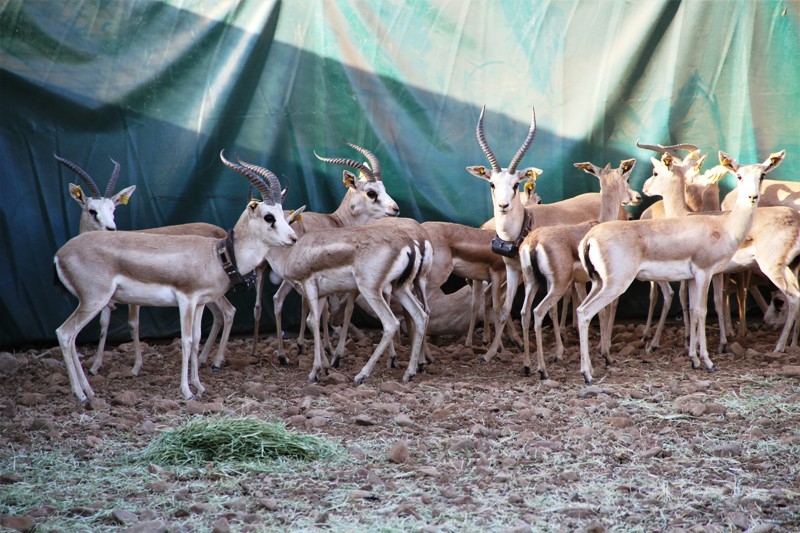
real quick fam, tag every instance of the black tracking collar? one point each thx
(511, 248)
(226, 255)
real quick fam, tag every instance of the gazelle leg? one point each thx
(105, 319)
(277, 301)
(390, 325)
(257, 307)
(228, 311)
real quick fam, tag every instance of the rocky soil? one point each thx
(652, 445)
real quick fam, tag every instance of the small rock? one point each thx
(126, 398)
(31, 398)
(589, 392)
(358, 494)
(201, 408)
(8, 363)
(201, 508)
(393, 387)
(123, 517)
(398, 453)
(790, 371)
(166, 406)
(620, 421)
(221, 526)
(727, 450)
(364, 420)
(7, 478)
(464, 445)
(736, 349)
(151, 526)
(403, 420)
(655, 451)
(94, 442)
(317, 422)
(551, 384)
(18, 522)
(269, 504)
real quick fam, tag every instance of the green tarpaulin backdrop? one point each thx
(161, 87)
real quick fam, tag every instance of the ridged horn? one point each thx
(364, 169)
(670, 149)
(113, 183)
(269, 176)
(94, 192)
(266, 193)
(485, 145)
(512, 167)
(373, 161)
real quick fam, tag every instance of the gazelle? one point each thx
(186, 271)
(97, 214)
(513, 221)
(550, 253)
(692, 248)
(366, 200)
(466, 252)
(382, 259)
(771, 245)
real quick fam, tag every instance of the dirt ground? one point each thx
(653, 445)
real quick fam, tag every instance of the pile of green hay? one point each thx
(233, 440)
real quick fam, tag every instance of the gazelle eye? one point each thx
(93, 212)
(491, 185)
(372, 195)
(269, 219)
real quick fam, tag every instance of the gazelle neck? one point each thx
(509, 223)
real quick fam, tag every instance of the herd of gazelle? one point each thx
(364, 252)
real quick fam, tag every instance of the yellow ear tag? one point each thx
(481, 170)
(529, 186)
(253, 204)
(76, 192)
(124, 199)
(295, 218)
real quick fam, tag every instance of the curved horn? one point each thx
(94, 192)
(671, 149)
(270, 177)
(485, 145)
(364, 169)
(373, 161)
(113, 183)
(512, 167)
(254, 178)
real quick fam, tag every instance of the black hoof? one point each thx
(526, 370)
(542, 375)
(713, 368)
(283, 360)
(608, 360)
(215, 369)
(723, 348)
(392, 363)
(335, 363)
(695, 366)
(421, 367)
(587, 379)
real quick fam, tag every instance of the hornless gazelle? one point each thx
(97, 214)
(692, 248)
(550, 253)
(366, 200)
(186, 271)
(387, 258)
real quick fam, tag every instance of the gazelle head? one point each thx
(504, 182)
(749, 177)
(368, 197)
(671, 167)
(614, 183)
(97, 209)
(529, 195)
(265, 219)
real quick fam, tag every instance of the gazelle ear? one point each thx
(587, 167)
(700, 162)
(253, 205)
(478, 171)
(77, 193)
(667, 160)
(728, 162)
(294, 216)
(627, 165)
(124, 195)
(349, 179)
(774, 160)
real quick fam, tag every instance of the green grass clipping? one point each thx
(234, 440)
